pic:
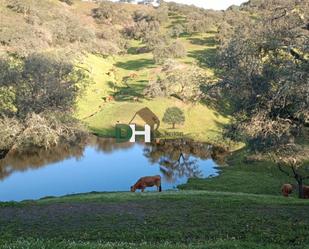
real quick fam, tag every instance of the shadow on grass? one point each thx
(176, 19)
(206, 58)
(185, 35)
(128, 93)
(220, 105)
(136, 64)
(138, 50)
(206, 41)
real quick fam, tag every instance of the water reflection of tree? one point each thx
(107, 145)
(178, 158)
(37, 158)
(184, 166)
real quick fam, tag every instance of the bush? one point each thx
(179, 81)
(43, 130)
(161, 13)
(163, 52)
(142, 29)
(140, 15)
(20, 6)
(10, 128)
(109, 12)
(43, 25)
(176, 30)
(42, 82)
(177, 50)
(69, 30)
(68, 2)
(106, 35)
(22, 38)
(153, 40)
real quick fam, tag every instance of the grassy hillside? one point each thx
(93, 35)
(202, 122)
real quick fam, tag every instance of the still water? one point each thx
(101, 165)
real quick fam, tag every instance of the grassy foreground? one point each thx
(184, 219)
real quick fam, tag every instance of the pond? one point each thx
(102, 165)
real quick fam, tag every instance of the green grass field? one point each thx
(184, 219)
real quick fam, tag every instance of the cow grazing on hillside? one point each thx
(147, 181)
(110, 98)
(133, 75)
(135, 99)
(286, 189)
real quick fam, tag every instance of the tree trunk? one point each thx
(3, 153)
(299, 180)
(300, 188)
(173, 125)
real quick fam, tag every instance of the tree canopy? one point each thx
(173, 116)
(265, 79)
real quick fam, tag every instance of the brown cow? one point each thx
(133, 75)
(147, 181)
(110, 98)
(286, 189)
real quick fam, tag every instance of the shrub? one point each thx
(176, 30)
(163, 52)
(109, 12)
(20, 6)
(142, 29)
(177, 50)
(10, 128)
(68, 2)
(42, 82)
(161, 13)
(43, 130)
(153, 40)
(179, 81)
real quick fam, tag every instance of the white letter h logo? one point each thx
(146, 133)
